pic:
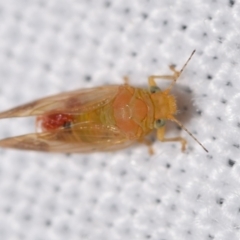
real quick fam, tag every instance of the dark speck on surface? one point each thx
(184, 27)
(220, 201)
(236, 145)
(210, 236)
(165, 22)
(209, 156)
(48, 223)
(47, 67)
(231, 3)
(123, 173)
(168, 165)
(199, 112)
(134, 54)
(231, 162)
(209, 77)
(144, 16)
(88, 78)
(107, 4)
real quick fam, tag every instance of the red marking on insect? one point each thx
(54, 121)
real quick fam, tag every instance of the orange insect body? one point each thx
(97, 119)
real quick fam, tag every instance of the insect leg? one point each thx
(160, 136)
(149, 145)
(126, 80)
(173, 77)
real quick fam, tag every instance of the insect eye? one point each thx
(159, 123)
(154, 89)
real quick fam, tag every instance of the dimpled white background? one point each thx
(50, 46)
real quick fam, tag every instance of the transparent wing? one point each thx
(69, 102)
(97, 138)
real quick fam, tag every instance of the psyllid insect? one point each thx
(99, 119)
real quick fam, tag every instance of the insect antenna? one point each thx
(184, 66)
(180, 124)
(177, 74)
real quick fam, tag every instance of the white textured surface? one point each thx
(49, 46)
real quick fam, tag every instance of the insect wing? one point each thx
(70, 102)
(72, 140)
